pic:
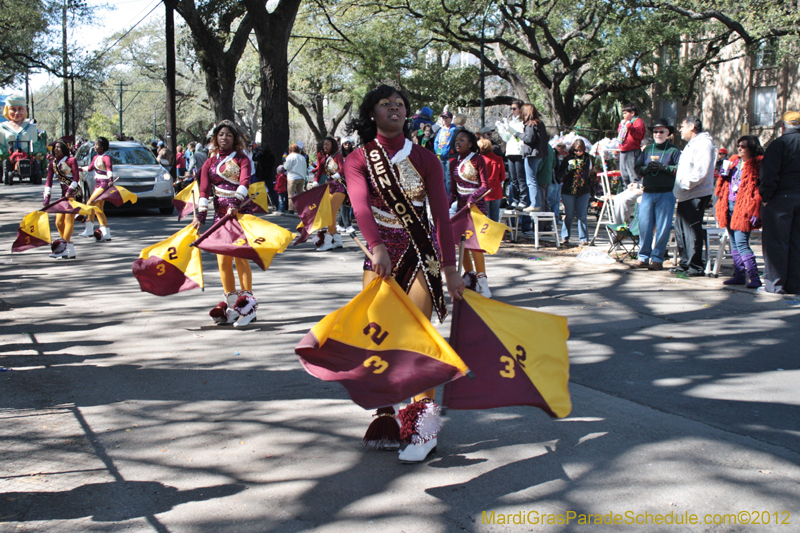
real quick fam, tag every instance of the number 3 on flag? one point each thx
(379, 364)
(508, 371)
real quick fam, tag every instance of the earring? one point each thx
(372, 119)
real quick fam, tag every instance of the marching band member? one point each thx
(388, 181)
(226, 176)
(103, 179)
(331, 164)
(65, 169)
(468, 181)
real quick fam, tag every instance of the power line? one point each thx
(99, 55)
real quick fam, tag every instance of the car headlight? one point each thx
(166, 176)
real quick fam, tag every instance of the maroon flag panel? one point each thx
(463, 225)
(160, 277)
(373, 378)
(499, 378)
(25, 241)
(307, 206)
(184, 208)
(229, 239)
(62, 206)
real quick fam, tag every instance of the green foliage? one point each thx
(23, 31)
(101, 125)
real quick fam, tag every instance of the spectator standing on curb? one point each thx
(443, 144)
(780, 211)
(296, 167)
(496, 172)
(694, 183)
(738, 208)
(630, 132)
(656, 166)
(280, 188)
(534, 151)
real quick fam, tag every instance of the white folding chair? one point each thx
(510, 217)
(540, 217)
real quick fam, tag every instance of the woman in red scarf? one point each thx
(738, 208)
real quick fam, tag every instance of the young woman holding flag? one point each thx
(64, 168)
(103, 179)
(225, 176)
(331, 164)
(468, 183)
(388, 181)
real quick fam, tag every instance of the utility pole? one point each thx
(120, 107)
(65, 131)
(171, 125)
(74, 125)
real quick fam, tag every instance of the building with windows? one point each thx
(748, 94)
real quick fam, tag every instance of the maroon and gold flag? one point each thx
(314, 208)
(34, 231)
(482, 233)
(116, 195)
(184, 201)
(170, 266)
(380, 347)
(248, 237)
(518, 356)
(69, 206)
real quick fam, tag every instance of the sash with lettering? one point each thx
(420, 253)
(65, 180)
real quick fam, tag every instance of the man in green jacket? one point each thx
(657, 165)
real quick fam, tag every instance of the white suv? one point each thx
(137, 170)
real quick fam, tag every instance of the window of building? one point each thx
(765, 105)
(765, 56)
(669, 111)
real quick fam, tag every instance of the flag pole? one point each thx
(461, 254)
(363, 248)
(478, 199)
(194, 216)
(221, 221)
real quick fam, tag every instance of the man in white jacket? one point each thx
(694, 185)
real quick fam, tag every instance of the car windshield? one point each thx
(131, 155)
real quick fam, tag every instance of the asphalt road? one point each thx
(124, 411)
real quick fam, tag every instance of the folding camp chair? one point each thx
(624, 237)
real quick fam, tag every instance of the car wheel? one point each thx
(166, 210)
(7, 178)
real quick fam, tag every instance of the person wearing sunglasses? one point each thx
(656, 166)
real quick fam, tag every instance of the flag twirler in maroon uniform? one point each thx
(170, 266)
(314, 208)
(117, 195)
(248, 237)
(482, 233)
(518, 356)
(34, 231)
(380, 347)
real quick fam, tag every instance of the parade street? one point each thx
(125, 411)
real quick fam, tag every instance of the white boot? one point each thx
(89, 231)
(58, 249)
(416, 453)
(327, 243)
(337, 241)
(70, 252)
(231, 313)
(246, 306)
(105, 234)
(483, 286)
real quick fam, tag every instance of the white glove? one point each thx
(311, 185)
(337, 176)
(47, 191)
